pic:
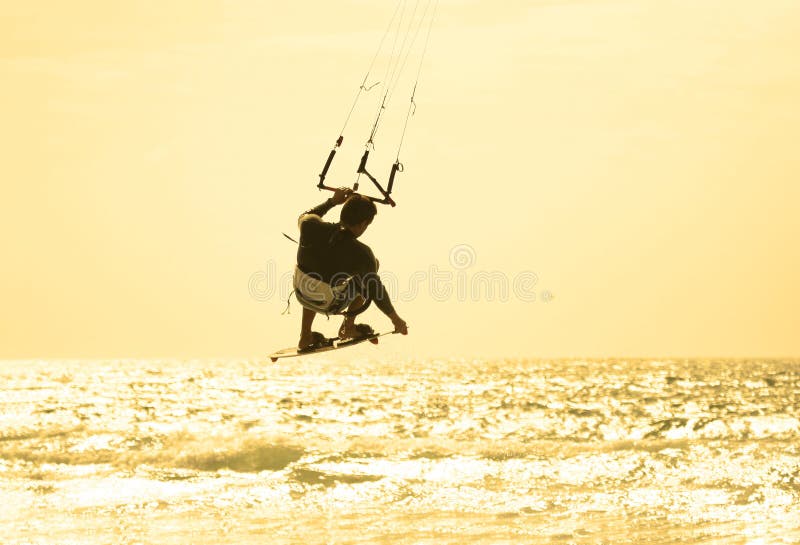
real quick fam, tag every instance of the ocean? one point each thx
(359, 451)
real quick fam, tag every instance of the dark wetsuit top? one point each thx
(331, 251)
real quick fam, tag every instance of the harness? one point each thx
(315, 294)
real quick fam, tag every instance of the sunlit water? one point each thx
(416, 452)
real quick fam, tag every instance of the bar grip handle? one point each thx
(331, 155)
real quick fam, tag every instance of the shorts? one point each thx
(314, 294)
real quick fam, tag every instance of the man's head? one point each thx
(357, 213)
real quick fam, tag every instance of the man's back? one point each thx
(328, 250)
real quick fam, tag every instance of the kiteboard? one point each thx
(333, 343)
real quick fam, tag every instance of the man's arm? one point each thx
(382, 301)
(316, 213)
(374, 289)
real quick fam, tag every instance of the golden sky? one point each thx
(638, 156)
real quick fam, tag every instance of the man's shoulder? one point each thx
(315, 225)
(363, 248)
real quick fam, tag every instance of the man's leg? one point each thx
(348, 328)
(305, 328)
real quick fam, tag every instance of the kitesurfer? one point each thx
(336, 273)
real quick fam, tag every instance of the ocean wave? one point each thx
(181, 450)
(328, 478)
(249, 457)
(251, 450)
(736, 428)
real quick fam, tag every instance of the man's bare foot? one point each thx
(347, 331)
(308, 340)
(305, 341)
(350, 330)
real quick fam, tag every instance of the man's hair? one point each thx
(356, 209)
